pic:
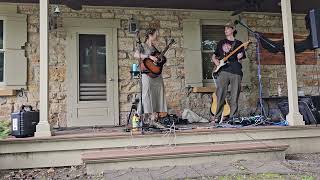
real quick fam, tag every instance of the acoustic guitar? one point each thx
(223, 61)
(155, 68)
(226, 107)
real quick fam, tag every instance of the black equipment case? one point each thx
(307, 108)
(23, 123)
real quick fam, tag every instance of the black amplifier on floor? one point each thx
(308, 108)
(23, 123)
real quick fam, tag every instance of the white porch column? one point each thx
(43, 128)
(294, 117)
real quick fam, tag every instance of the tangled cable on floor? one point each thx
(170, 134)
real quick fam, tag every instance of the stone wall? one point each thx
(169, 23)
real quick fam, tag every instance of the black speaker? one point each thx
(314, 16)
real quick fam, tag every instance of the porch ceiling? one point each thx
(298, 6)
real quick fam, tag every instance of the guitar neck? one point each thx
(165, 50)
(233, 52)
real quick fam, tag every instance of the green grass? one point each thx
(266, 176)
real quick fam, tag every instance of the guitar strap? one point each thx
(233, 45)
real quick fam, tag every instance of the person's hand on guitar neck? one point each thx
(239, 56)
(215, 60)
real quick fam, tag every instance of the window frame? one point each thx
(208, 82)
(2, 18)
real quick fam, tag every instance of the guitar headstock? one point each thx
(246, 44)
(170, 42)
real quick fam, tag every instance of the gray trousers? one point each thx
(223, 81)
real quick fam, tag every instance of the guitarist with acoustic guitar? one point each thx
(228, 71)
(153, 91)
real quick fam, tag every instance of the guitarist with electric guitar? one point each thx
(227, 59)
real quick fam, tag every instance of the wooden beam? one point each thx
(8, 92)
(209, 89)
(307, 57)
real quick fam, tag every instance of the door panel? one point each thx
(91, 95)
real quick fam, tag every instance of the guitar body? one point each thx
(155, 69)
(152, 67)
(223, 61)
(217, 69)
(226, 107)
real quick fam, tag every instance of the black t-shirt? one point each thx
(226, 46)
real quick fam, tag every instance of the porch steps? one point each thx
(117, 159)
(67, 150)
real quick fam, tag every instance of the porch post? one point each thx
(294, 117)
(43, 128)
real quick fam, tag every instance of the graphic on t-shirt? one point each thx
(226, 47)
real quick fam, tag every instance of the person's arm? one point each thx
(216, 54)
(138, 55)
(242, 54)
(215, 60)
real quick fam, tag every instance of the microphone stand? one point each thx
(258, 38)
(141, 84)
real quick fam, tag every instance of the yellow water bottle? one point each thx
(135, 122)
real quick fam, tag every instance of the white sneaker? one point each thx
(157, 125)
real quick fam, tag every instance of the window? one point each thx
(13, 38)
(200, 36)
(1, 51)
(211, 35)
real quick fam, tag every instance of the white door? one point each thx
(93, 87)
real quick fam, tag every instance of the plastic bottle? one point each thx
(135, 122)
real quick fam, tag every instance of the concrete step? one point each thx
(66, 150)
(118, 159)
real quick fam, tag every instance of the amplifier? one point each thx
(314, 18)
(23, 123)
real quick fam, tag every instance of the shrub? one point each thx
(4, 128)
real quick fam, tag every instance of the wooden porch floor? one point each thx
(118, 132)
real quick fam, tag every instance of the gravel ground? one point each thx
(304, 166)
(308, 164)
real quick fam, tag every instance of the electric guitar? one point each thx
(155, 68)
(223, 61)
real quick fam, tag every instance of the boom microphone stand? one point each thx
(258, 38)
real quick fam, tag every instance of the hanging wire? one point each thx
(22, 93)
